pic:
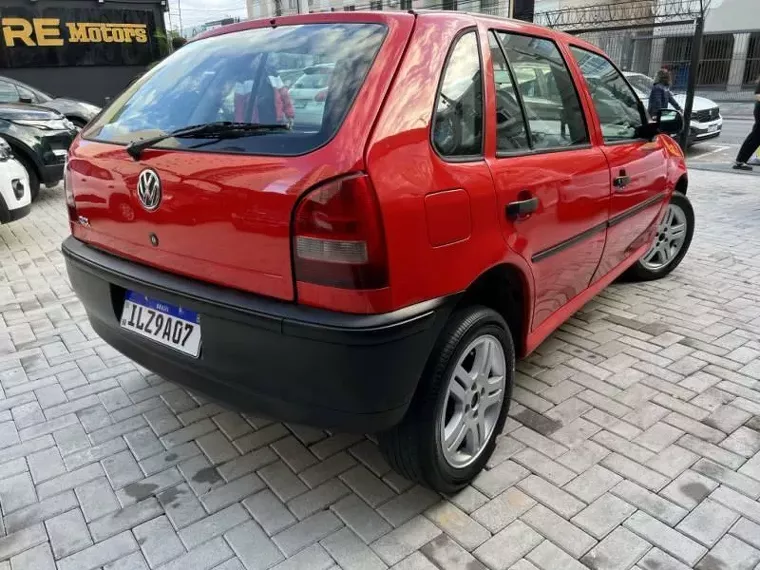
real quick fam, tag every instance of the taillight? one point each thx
(338, 238)
(70, 204)
(321, 96)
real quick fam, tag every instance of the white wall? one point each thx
(733, 15)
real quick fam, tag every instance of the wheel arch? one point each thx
(78, 120)
(24, 154)
(504, 288)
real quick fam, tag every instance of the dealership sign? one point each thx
(55, 37)
(50, 32)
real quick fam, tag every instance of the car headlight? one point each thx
(5, 150)
(47, 125)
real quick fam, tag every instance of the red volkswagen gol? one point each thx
(373, 259)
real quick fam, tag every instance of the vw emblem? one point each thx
(149, 189)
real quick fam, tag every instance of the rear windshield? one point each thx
(239, 77)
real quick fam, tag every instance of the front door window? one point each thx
(616, 104)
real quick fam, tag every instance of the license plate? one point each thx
(712, 128)
(161, 322)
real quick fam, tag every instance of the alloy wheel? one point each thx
(473, 401)
(671, 235)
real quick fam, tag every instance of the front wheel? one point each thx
(460, 406)
(671, 243)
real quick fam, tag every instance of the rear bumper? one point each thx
(267, 357)
(51, 174)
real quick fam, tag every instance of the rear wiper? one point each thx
(221, 129)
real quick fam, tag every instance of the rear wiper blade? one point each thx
(216, 129)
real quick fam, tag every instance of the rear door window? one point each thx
(616, 104)
(547, 91)
(511, 132)
(251, 76)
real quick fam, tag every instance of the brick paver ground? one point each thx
(634, 439)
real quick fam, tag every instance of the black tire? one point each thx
(34, 179)
(413, 447)
(639, 272)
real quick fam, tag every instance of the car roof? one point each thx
(518, 26)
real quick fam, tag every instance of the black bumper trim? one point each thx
(7, 216)
(269, 357)
(51, 174)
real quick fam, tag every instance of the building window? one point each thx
(405, 5)
(350, 8)
(752, 68)
(376, 5)
(713, 69)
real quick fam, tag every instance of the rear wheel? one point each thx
(670, 244)
(461, 404)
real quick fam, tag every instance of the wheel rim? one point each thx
(671, 235)
(473, 401)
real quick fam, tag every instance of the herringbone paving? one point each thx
(633, 439)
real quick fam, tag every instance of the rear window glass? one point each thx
(252, 76)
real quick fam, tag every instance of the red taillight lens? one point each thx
(338, 238)
(70, 204)
(321, 96)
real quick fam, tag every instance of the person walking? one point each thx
(752, 141)
(660, 96)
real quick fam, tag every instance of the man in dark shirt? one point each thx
(660, 96)
(753, 138)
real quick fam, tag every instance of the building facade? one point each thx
(643, 42)
(85, 49)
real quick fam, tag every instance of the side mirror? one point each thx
(25, 100)
(669, 121)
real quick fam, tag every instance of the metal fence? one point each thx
(728, 68)
(641, 36)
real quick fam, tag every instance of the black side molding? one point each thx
(548, 252)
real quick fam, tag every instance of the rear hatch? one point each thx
(224, 202)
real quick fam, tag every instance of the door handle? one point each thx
(622, 180)
(521, 208)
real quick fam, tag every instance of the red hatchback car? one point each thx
(459, 188)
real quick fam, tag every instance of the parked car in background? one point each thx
(308, 94)
(289, 76)
(15, 197)
(78, 112)
(381, 272)
(706, 120)
(40, 139)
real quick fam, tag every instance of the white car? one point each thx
(309, 92)
(15, 196)
(706, 120)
